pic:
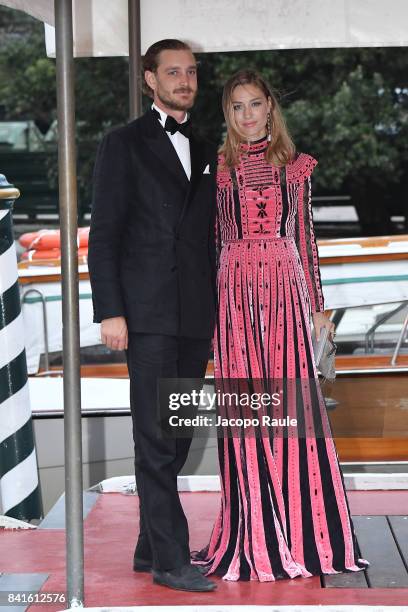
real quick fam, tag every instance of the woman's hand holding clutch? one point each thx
(324, 348)
(321, 320)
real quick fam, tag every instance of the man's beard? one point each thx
(172, 104)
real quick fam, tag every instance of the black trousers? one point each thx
(163, 538)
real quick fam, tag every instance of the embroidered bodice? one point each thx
(258, 200)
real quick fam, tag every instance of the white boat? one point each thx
(365, 282)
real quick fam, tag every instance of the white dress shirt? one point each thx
(179, 142)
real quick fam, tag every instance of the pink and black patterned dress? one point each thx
(283, 510)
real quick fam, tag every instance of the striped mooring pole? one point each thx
(19, 487)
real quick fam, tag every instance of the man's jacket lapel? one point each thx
(198, 162)
(158, 141)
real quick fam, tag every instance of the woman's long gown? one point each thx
(284, 511)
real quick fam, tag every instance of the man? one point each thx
(152, 270)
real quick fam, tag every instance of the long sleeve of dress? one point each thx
(305, 236)
(213, 245)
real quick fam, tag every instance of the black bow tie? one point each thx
(173, 126)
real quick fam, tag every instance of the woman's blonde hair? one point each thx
(281, 149)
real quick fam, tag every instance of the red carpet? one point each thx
(110, 535)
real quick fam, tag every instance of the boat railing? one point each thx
(401, 339)
(369, 336)
(45, 322)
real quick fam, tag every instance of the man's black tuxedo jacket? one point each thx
(151, 244)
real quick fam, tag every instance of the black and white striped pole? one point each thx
(19, 487)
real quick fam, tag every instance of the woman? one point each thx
(283, 511)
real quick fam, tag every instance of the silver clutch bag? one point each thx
(325, 354)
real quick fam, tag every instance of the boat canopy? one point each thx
(231, 25)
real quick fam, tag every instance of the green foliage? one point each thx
(347, 107)
(27, 76)
(341, 105)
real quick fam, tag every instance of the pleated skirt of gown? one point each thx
(284, 511)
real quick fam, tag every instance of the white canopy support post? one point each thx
(70, 303)
(135, 63)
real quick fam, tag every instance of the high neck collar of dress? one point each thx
(256, 146)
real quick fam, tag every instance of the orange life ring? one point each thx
(53, 254)
(44, 239)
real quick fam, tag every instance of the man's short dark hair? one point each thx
(151, 57)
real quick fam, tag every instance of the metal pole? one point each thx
(400, 341)
(70, 303)
(135, 60)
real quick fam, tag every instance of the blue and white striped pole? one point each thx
(19, 488)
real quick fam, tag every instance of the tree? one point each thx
(27, 76)
(347, 107)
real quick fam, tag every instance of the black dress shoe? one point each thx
(186, 578)
(145, 566)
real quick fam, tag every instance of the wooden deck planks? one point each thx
(399, 528)
(378, 546)
(346, 580)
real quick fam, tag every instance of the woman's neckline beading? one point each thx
(256, 146)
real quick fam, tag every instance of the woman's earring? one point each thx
(269, 127)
